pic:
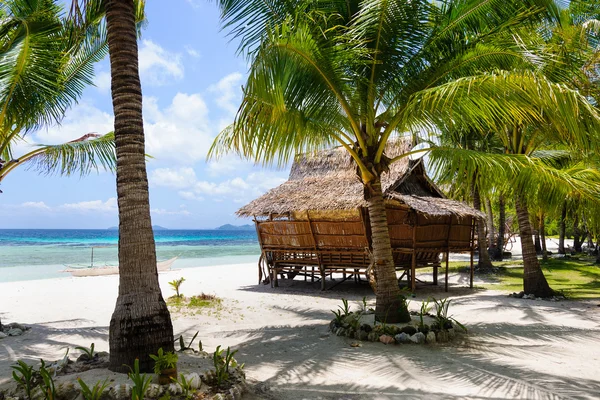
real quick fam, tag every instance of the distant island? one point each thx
(154, 227)
(229, 227)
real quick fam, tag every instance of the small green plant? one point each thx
(24, 375)
(95, 392)
(185, 385)
(346, 308)
(364, 304)
(176, 284)
(442, 319)
(164, 360)
(47, 384)
(89, 352)
(183, 347)
(339, 318)
(140, 381)
(222, 364)
(166, 396)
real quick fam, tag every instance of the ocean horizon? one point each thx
(31, 254)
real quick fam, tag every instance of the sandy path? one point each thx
(516, 348)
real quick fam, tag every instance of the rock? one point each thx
(424, 329)
(418, 338)
(174, 389)
(339, 332)
(366, 327)
(442, 336)
(521, 294)
(386, 339)
(120, 392)
(15, 332)
(14, 325)
(3, 335)
(451, 334)
(430, 338)
(367, 319)
(363, 335)
(373, 337)
(154, 391)
(402, 338)
(67, 391)
(409, 330)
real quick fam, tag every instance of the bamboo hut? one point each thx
(316, 224)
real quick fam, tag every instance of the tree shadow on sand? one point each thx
(49, 343)
(493, 362)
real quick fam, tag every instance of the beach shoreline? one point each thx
(515, 348)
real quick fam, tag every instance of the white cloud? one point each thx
(162, 211)
(102, 82)
(36, 205)
(82, 119)
(229, 92)
(238, 188)
(181, 133)
(192, 52)
(157, 65)
(109, 205)
(172, 178)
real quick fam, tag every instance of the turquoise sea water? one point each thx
(29, 254)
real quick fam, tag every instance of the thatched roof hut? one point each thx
(327, 181)
(318, 218)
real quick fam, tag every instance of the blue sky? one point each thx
(191, 81)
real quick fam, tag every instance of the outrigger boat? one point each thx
(91, 270)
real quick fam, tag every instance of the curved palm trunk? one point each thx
(536, 235)
(388, 306)
(543, 236)
(577, 242)
(484, 263)
(562, 229)
(534, 281)
(141, 323)
(501, 228)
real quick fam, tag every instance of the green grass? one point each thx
(576, 278)
(195, 302)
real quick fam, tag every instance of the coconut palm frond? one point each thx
(89, 153)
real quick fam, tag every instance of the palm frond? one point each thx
(89, 153)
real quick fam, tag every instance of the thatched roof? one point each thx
(327, 180)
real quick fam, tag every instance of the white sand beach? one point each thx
(516, 348)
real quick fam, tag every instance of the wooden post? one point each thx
(312, 235)
(413, 267)
(448, 252)
(472, 270)
(447, 261)
(261, 252)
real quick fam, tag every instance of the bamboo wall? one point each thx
(341, 244)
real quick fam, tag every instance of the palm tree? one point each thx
(357, 73)
(45, 63)
(141, 322)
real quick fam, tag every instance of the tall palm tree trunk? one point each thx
(484, 263)
(543, 236)
(490, 228)
(536, 235)
(534, 281)
(141, 323)
(562, 229)
(501, 227)
(388, 306)
(577, 242)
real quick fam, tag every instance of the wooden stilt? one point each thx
(447, 262)
(472, 269)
